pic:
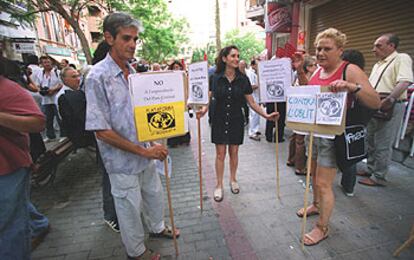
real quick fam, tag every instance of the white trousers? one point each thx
(131, 194)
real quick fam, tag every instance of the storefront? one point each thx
(59, 53)
(363, 22)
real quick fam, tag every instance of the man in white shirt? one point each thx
(49, 83)
(254, 123)
(391, 75)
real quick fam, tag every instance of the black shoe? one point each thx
(113, 224)
(36, 241)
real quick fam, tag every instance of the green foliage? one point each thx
(198, 54)
(247, 44)
(163, 36)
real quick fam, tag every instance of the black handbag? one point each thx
(350, 147)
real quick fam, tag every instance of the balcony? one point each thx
(255, 10)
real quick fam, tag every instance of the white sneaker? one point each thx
(48, 140)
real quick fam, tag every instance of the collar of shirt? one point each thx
(114, 68)
(388, 58)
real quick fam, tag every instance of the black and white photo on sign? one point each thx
(330, 108)
(275, 77)
(198, 83)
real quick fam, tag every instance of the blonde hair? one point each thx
(334, 34)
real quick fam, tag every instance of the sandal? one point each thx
(234, 187)
(300, 173)
(309, 212)
(166, 233)
(311, 235)
(218, 194)
(147, 255)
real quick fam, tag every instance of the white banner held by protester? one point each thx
(330, 108)
(198, 83)
(275, 77)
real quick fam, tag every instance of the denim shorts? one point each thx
(324, 150)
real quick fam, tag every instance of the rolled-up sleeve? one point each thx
(97, 106)
(405, 72)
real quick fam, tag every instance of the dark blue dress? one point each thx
(226, 116)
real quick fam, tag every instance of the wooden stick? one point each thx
(277, 156)
(305, 200)
(409, 241)
(167, 178)
(200, 174)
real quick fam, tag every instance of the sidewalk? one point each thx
(251, 225)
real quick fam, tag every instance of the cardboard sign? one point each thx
(320, 130)
(301, 109)
(330, 108)
(198, 83)
(159, 104)
(275, 76)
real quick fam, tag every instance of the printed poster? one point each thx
(330, 108)
(159, 104)
(275, 77)
(301, 109)
(198, 83)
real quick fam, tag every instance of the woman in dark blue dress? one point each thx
(229, 91)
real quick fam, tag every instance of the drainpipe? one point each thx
(295, 24)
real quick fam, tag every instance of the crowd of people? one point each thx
(92, 107)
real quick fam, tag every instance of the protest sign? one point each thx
(330, 108)
(275, 76)
(301, 109)
(159, 104)
(320, 130)
(198, 83)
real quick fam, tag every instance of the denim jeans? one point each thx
(14, 215)
(38, 222)
(108, 200)
(51, 112)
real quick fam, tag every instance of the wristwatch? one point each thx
(358, 88)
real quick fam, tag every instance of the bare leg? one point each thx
(220, 157)
(234, 161)
(323, 184)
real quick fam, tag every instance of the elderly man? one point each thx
(391, 75)
(109, 112)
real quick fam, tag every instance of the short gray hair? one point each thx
(114, 21)
(64, 71)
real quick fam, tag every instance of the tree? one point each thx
(218, 32)
(163, 36)
(198, 54)
(247, 44)
(70, 10)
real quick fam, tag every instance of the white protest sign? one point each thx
(198, 83)
(330, 108)
(159, 105)
(301, 109)
(160, 169)
(275, 76)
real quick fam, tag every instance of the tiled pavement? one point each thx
(251, 225)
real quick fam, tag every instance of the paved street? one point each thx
(251, 225)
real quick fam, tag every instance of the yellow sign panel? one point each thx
(160, 121)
